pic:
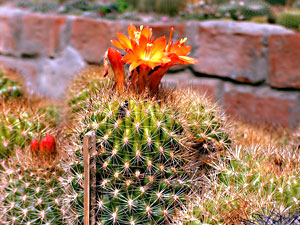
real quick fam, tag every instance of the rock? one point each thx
(284, 61)
(235, 50)
(54, 74)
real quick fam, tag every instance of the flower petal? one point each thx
(117, 65)
(124, 41)
(188, 60)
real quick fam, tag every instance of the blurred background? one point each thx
(248, 50)
(284, 12)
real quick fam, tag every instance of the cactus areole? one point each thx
(148, 59)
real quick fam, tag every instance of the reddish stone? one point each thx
(27, 68)
(93, 37)
(234, 55)
(284, 61)
(160, 29)
(9, 27)
(209, 87)
(164, 30)
(41, 34)
(262, 105)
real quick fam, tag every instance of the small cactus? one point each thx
(85, 87)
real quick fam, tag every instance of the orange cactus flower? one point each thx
(178, 51)
(149, 59)
(135, 35)
(147, 53)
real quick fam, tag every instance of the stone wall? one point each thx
(252, 70)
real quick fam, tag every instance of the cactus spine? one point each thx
(30, 196)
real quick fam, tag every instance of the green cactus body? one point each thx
(30, 197)
(74, 192)
(52, 114)
(246, 180)
(289, 18)
(16, 131)
(9, 88)
(139, 174)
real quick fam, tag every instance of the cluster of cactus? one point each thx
(31, 195)
(289, 18)
(9, 88)
(244, 10)
(17, 130)
(256, 177)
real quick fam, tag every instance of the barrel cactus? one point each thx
(256, 180)
(30, 195)
(139, 169)
(150, 141)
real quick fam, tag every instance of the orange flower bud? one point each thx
(34, 146)
(47, 145)
(117, 64)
